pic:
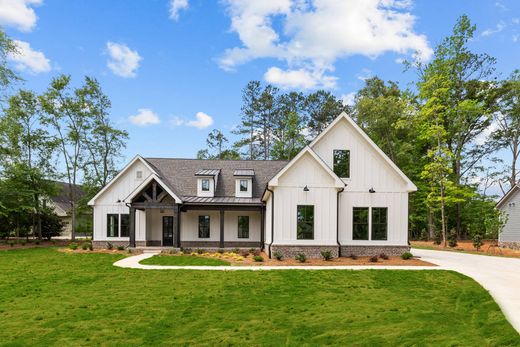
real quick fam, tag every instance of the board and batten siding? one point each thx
(107, 202)
(511, 230)
(289, 194)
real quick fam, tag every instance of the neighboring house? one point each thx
(62, 207)
(510, 206)
(340, 193)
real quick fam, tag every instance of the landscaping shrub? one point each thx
(23, 242)
(477, 241)
(221, 250)
(374, 258)
(84, 246)
(326, 254)
(452, 238)
(301, 257)
(353, 256)
(200, 251)
(437, 238)
(235, 250)
(11, 243)
(110, 245)
(407, 255)
(90, 247)
(73, 246)
(251, 250)
(258, 258)
(120, 248)
(383, 256)
(186, 250)
(37, 242)
(256, 252)
(278, 255)
(244, 253)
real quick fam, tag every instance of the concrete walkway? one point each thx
(499, 275)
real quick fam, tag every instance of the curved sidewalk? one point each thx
(133, 263)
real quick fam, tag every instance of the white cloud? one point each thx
(201, 121)
(349, 98)
(18, 14)
(176, 6)
(515, 38)
(311, 37)
(145, 117)
(123, 61)
(498, 28)
(300, 78)
(27, 59)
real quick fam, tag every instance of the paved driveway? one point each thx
(499, 275)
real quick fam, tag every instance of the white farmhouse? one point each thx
(510, 206)
(340, 193)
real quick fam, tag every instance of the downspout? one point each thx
(272, 219)
(337, 220)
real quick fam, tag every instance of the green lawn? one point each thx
(183, 260)
(53, 298)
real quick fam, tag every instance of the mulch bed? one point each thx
(4, 244)
(467, 246)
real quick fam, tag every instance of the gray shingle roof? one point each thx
(179, 174)
(244, 172)
(207, 172)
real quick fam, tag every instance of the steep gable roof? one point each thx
(343, 116)
(508, 195)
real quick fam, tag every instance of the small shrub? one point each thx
(407, 255)
(452, 238)
(90, 247)
(256, 252)
(327, 254)
(37, 242)
(110, 245)
(374, 259)
(84, 246)
(301, 257)
(172, 251)
(437, 238)
(129, 251)
(258, 258)
(244, 253)
(10, 243)
(120, 248)
(186, 250)
(251, 250)
(235, 250)
(200, 251)
(73, 246)
(278, 255)
(221, 250)
(353, 256)
(383, 256)
(23, 242)
(477, 241)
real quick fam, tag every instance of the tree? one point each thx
(321, 108)
(507, 119)
(246, 128)
(288, 127)
(7, 76)
(216, 141)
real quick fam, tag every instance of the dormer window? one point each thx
(244, 185)
(204, 185)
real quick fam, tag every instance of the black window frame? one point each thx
(379, 223)
(303, 220)
(124, 227)
(243, 234)
(358, 224)
(342, 172)
(203, 219)
(202, 188)
(240, 185)
(115, 217)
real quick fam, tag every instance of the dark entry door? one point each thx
(167, 229)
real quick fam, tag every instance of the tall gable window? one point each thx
(305, 222)
(379, 223)
(112, 225)
(243, 227)
(204, 227)
(205, 185)
(342, 163)
(360, 223)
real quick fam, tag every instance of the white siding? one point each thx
(367, 168)
(231, 226)
(190, 225)
(268, 215)
(100, 221)
(511, 208)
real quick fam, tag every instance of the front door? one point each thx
(167, 229)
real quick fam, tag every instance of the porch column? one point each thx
(131, 226)
(221, 245)
(262, 228)
(177, 225)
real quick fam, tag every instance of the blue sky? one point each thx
(180, 65)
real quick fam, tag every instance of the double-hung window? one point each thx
(305, 222)
(360, 223)
(112, 225)
(204, 222)
(243, 227)
(125, 225)
(379, 223)
(376, 226)
(204, 185)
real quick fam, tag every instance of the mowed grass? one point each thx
(183, 260)
(53, 298)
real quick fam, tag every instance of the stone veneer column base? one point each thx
(290, 251)
(103, 244)
(510, 244)
(361, 251)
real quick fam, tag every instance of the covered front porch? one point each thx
(158, 220)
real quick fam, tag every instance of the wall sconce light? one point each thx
(118, 201)
(371, 190)
(305, 189)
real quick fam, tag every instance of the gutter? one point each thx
(272, 219)
(337, 220)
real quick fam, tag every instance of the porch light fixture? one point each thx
(119, 201)
(305, 189)
(371, 190)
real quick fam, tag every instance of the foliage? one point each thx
(120, 248)
(258, 258)
(51, 224)
(301, 257)
(326, 254)
(374, 259)
(110, 245)
(73, 246)
(477, 241)
(353, 256)
(406, 256)
(452, 238)
(278, 255)
(383, 256)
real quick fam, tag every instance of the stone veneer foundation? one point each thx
(510, 244)
(361, 251)
(289, 251)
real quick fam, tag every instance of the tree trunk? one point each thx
(431, 224)
(443, 218)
